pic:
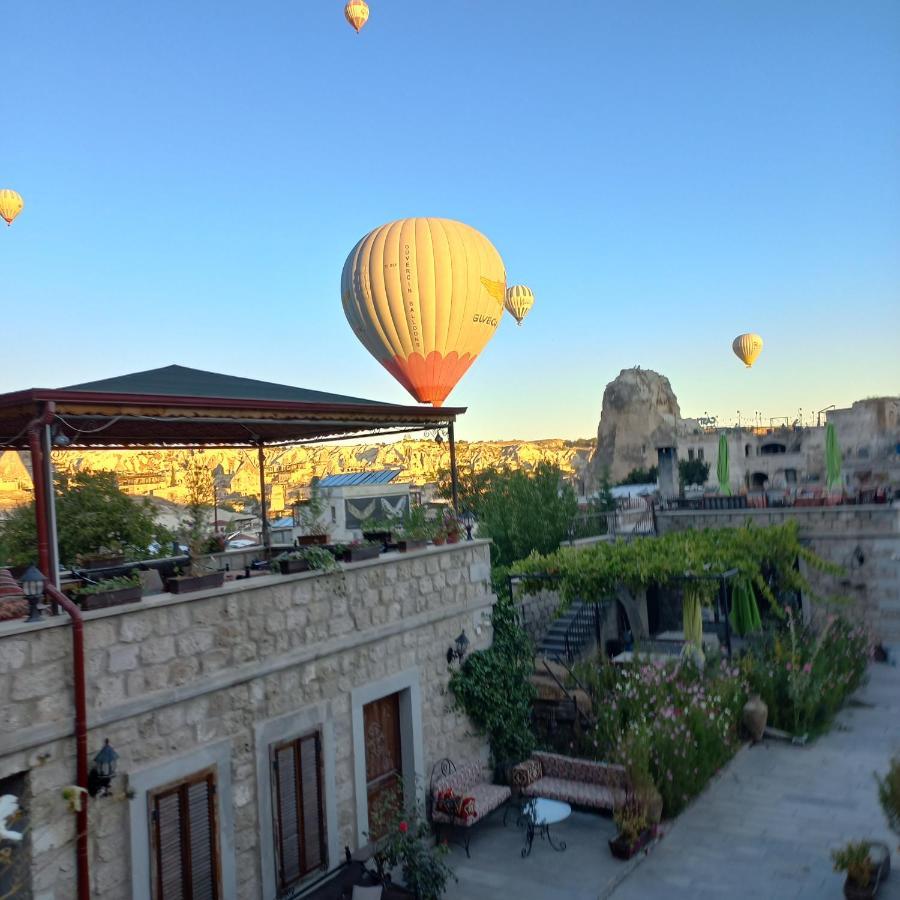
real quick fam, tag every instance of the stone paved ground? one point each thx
(764, 829)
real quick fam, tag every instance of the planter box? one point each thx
(293, 566)
(358, 554)
(102, 562)
(407, 546)
(184, 584)
(110, 598)
(305, 540)
(386, 537)
(622, 849)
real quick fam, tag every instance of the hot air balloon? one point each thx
(356, 12)
(747, 347)
(11, 204)
(424, 296)
(519, 300)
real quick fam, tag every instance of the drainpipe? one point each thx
(35, 427)
(81, 752)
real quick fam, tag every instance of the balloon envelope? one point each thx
(356, 12)
(747, 348)
(519, 300)
(424, 296)
(11, 204)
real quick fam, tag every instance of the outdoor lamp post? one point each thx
(459, 651)
(468, 522)
(32, 582)
(103, 771)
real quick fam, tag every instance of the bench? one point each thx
(578, 782)
(460, 797)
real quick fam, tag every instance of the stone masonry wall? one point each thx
(872, 576)
(175, 673)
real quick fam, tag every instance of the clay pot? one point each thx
(755, 716)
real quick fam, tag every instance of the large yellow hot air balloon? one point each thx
(519, 300)
(356, 12)
(11, 204)
(424, 296)
(747, 347)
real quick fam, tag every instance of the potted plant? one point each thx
(866, 863)
(377, 530)
(451, 528)
(889, 794)
(112, 554)
(357, 551)
(635, 830)
(416, 530)
(110, 592)
(289, 563)
(310, 516)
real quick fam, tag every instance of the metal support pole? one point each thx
(40, 503)
(723, 599)
(262, 495)
(50, 500)
(454, 474)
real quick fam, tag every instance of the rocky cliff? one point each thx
(289, 469)
(640, 412)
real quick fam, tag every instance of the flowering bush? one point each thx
(804, 675)
(668, 721)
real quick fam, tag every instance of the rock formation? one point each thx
(640, 413)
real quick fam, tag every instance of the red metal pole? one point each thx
(81, 751)
(40, 488)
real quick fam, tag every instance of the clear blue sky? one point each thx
(663, 174)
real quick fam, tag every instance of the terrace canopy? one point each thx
(179, 407)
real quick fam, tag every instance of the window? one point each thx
(700, 454)
(690, 454)
(298, 809)
(184, 839)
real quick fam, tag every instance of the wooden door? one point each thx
(384, 760)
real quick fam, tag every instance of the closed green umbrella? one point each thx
(722, 466)
(832, 458)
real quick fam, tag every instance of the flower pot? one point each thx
(184, 584)
(103, 561)
(292, 566)
(755, 716)
(438, 541)
(365, 551)
(854, 891)
(408, 545)
(453, 538)
(880, 855)
(621, 848)
(104, 599)
(385, 537)
(305, 540)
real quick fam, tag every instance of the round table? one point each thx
(539, 814)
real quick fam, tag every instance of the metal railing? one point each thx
(586, 626)
(633, 516)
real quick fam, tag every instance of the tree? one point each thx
(92, 514)
(641, 476)
(692, 471)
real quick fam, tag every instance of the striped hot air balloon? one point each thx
(519, 300)
(424, 296)
(747, 348)
(11, 204)
(356, 12)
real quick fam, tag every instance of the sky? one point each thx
(663, 175)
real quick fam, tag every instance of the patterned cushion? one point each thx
(578, 793)
(481, 799)
(454, 805)
(555, 765)
(461, 780)
(525, 773)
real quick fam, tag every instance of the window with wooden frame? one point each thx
(184, 839)
(298, 809)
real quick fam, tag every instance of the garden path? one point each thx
(765, 827)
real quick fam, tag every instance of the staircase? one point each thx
(569, 633)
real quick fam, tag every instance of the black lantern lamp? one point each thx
(460, 648)
(103, 771)
(32, 582)
(468, 522)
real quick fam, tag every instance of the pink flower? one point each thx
(788, 666)
(403, 827)
(807, 668)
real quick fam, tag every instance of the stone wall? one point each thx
(871, 576)
(203, 673)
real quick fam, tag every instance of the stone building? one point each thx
(254, 723)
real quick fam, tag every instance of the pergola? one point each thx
(182, 408)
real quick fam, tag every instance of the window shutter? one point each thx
(185, 840)
(299, 818)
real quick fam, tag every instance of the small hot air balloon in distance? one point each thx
(424, 296)
(356, 12)
(519, 300)
(11, 204)
(747, 348)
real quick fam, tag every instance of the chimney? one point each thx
(667, 467)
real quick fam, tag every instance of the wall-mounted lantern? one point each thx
(32, 582)
(468, 522)
(104, 770)
(458, 651)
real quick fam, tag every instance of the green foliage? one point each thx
(642, 476)
(91, 513)
(854, 859)
(803, 675)
(493, 687)
(317, 556)
(692, 471)
(667, 723)
(311, 514)
(889, 794)
(416, 526)
(766, 557)
(118, 583)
